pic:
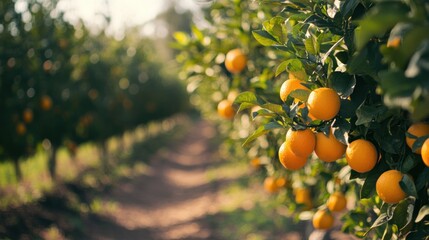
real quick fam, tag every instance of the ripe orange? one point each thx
(323, 219)
(298, 75)
(337, 202)
(281, 182)
(361, 155)
(301, 142)
(419, 130)
(225, 109)
(289, 160)
(328, 149)
(394, 42)
(27, 115)
(302, 196)
(255, 163)
(323, 103)
(388, 188)
(290, 85)
(270, 185)
(425, 152)
(46, 102)
(235, 61)
(21, 129)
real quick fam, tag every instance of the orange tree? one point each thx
(59, 83)
(350, 76)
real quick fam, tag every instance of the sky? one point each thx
(123, 12)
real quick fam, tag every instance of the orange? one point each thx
(281, 182)
(27, 115)
(425, 152)
(298, 75)
(21, 129)
(301, 142)
(323, 219)
(419, 130)
(394, 42)
(302, 196)
(255, 163)
(323, 103)
(225, 109)
(289, 160)
(46, 102)
(388, 188)
(328, 149)
(270, 185)
(288, 86)
(361, 155)
(337, 202)
(235, 61)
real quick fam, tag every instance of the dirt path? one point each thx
(170, 201)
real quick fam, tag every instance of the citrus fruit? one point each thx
(323, 219)
(394, 42)
(270, 185)
(337, 202)
(425, 152)
(225, 109)
(388, 188)
(302, 196)
(328, 149)
(298, 75)
(361, 155)
(289, 160)
(46, 102)
(21, 129)
(290, 85)
(323, 103)
(301, 142)
(418, 130)
(27, 115)
(255, 163)
(281, 182)
(235, 61)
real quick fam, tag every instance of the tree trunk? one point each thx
(52, 162)
(104, 157)
(17, 168)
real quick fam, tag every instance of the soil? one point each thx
(170, 201)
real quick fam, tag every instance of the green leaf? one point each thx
(424, 211)
(423, 179)
(387, 235)
(197, 33)
(341, 129)
(368, 190)
(311, 45)
(300, 94)
(244, 106)
(347, 8)
(276, 28)
(276, 108)
(264, 38)
(246, 97)
(382, 219)
(403, 214)
(366, 114)
(378, 20)
(281, 68)
(342, 83)
(407, 184)
(261, 131)
(182, 38)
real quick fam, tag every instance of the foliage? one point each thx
(77, 86)
(372, 53)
